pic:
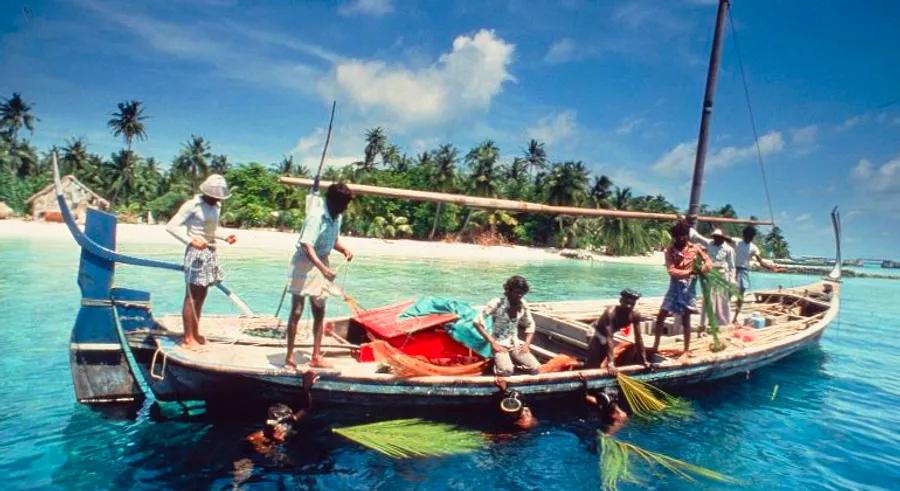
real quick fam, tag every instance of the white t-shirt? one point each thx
(199, 219)
(743, 253)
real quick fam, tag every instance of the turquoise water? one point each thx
(834, 424)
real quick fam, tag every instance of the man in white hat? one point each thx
(723, 258)
(195, 225)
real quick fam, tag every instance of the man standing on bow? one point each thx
(744, 251)
(199, 217)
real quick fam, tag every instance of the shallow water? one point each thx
(834, 423)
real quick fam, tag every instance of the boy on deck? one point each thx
(311, 274)
(679, 299)
(508, 313)
(612, 320)
(744, 251)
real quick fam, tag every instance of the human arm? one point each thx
(771, 266)
(310, 251)
(610, 351)
(527, 323)
(699, 239)
(230, 238)
(639, 338)
(343, 249)
(488, 310)
(176, 226)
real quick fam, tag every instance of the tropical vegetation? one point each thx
(139, 187)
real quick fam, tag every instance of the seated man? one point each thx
(508, 313)
(612, 320)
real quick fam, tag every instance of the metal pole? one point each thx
(325, 148)
(714, 58)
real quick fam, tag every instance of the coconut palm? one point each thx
(566, 185)
(286, 166)
(482, 162)
(194, 158)
(776, 244)
(219, 164)
(15, 114)
(376, 141)
(19, 159)
(75, 158)
(122, 172)
(392, 157)
(600, 191)
(623, 236)
(444, 178)
(128, 122)
(535, 156)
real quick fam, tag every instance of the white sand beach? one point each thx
(279, 242)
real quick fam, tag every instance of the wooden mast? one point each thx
(715, 57)
(505, 204)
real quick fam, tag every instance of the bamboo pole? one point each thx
(507, 204)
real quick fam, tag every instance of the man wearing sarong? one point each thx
(196, 224)
(311, 275)
(723, 257)
(509, 313)
(679, 299)
(614, 319)
(744, 251)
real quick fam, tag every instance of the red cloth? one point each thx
(385, 322)
(414, 336)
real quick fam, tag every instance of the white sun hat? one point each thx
(215, 187)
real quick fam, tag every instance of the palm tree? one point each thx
(482, 162)
(391, 156)
(623, 236)
(376, 141)
(15, 113)
(600, 191)
(129, 122)
(566, 185)
(195, 154)
(122, 172)
(75, 158)
(219, 164)
(444, 178)
(535, 156)
(776, 244)
(19, 159)
(286, 166)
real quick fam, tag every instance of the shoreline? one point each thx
(260, 240)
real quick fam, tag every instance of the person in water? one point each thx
(196, 225)
(512, 408)
(722, 255)
(311, 274)
(606, 402)
(614, 319)
(679, 299)
(508, 314)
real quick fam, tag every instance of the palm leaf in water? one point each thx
(648, 401)
(616, 464)
(415, 437)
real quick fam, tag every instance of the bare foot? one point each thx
(685, 357)
(201, 339)
(289, 363)
(319, 362)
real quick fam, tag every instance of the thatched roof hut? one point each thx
(78, 196)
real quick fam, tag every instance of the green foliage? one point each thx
(616, 464)
(712, 284)
(406, 438)
(775, 244)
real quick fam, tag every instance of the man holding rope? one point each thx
(311, 275)
(200, 218)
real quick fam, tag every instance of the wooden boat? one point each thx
(117, 340)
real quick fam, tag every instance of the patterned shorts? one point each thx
(680, 296)
(201, 266)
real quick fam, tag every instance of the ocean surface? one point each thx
(833, 424)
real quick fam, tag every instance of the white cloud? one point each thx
(680, 159)
(805, 217)
(375, 8)
(561, 51)
(854, 121)
(805, 137)
(554, 128)
(883, 180)
(628, 125)
(308, 149)
(465, 79)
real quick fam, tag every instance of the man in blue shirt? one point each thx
(311, 275)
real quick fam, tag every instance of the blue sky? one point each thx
(617, 85)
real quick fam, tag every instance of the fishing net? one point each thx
(404, 365)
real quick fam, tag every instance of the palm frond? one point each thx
(415, 437)
(615, 464)
(648, 401)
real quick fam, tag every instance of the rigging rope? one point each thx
(762, 167)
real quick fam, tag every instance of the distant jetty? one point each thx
(824, 270)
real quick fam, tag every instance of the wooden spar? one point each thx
(715, 57)
(507, 204)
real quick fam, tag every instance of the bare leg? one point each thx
(293, 319)
(658, 328)
(188, 319)
(199, 295)
(686, 322)
(740, 303)
(318, 312)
